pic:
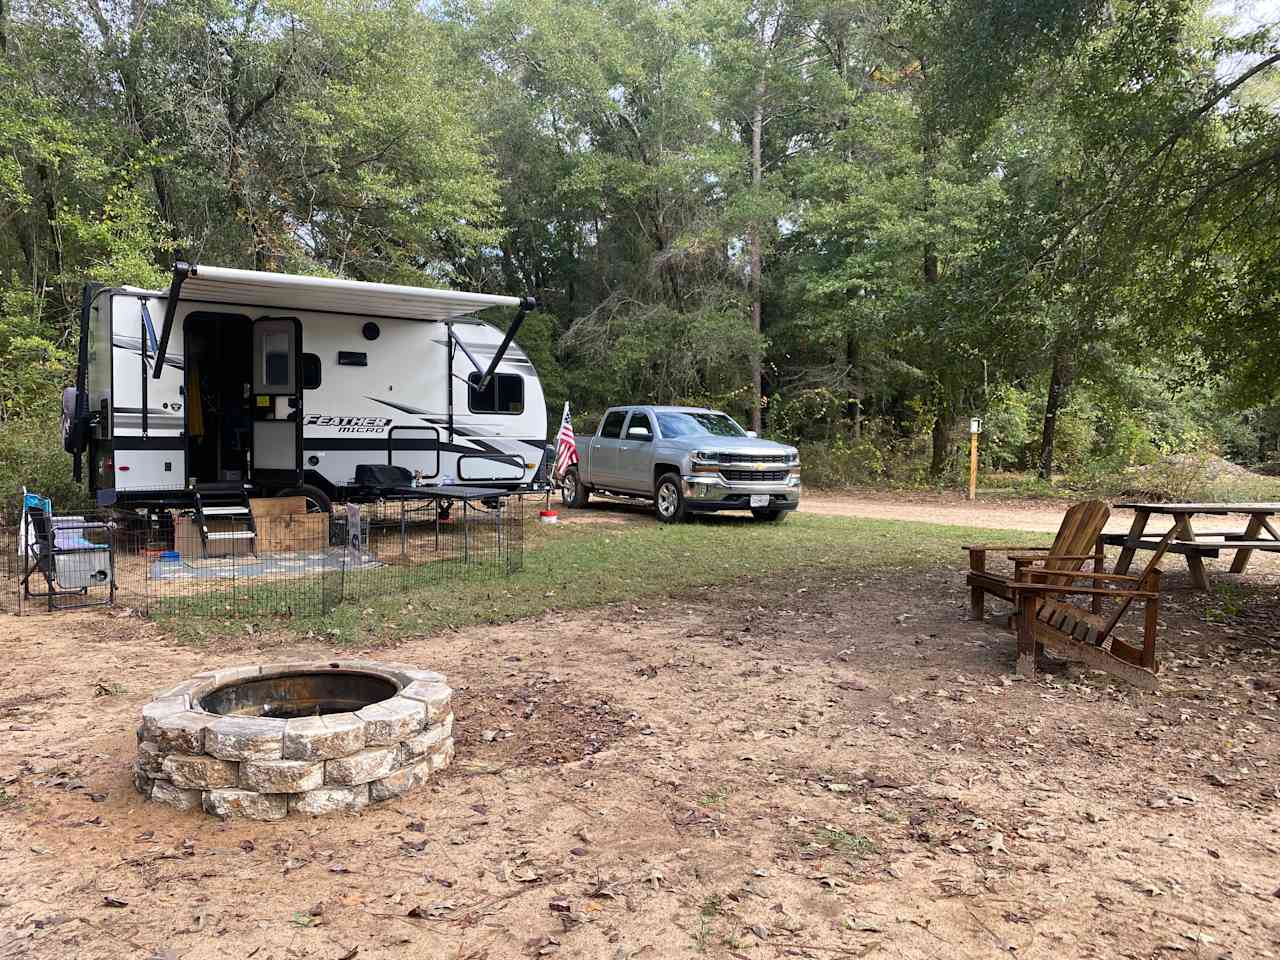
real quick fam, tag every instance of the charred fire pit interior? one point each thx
(299, 695)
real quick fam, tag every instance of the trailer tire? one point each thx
(668, 499)
(573, 492)
(317, 500)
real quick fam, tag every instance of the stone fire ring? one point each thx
(262, 742)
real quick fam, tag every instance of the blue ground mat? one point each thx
(286, 564)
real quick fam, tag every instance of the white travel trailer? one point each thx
(285, 384)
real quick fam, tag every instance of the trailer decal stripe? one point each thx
(359, 443)
(441, 421)
(149, 443)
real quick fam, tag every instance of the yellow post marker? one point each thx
(975, 428)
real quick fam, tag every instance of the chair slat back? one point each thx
(1076, 537)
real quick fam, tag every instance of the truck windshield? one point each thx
(698, 424)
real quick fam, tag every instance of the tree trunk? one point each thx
(757, 132)
(1060, 380)
(940, 438)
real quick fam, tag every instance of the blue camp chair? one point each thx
(57, 550)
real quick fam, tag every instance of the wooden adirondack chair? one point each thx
(1077, 541)
(1045, 617)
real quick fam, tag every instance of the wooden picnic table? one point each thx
(1258, 534)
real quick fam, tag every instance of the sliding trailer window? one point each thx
(504, 393)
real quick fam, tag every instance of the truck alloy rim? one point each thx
(667, 499)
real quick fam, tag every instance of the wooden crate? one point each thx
(284, 526)
(186, 538)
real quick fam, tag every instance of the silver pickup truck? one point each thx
(684, 459)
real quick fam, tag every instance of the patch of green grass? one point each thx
(702, 935)
(843, 842)
(718, 795)
(1228, 600)
(570, 567)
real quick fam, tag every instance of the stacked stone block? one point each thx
(264, 768)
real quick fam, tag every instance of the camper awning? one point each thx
(193, 283)
(254, 288)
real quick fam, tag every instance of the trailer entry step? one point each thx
(228, 502)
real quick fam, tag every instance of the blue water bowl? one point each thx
(170, 556)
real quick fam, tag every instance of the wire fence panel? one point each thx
(167, 563)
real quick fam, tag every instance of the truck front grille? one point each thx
(747, 476)
(752, 458)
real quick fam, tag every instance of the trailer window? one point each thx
(504, 393)
(310, 371)
(276, 359)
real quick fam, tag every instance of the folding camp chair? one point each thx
(56, 550)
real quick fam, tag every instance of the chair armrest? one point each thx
(1057, 556)
(1019, 586)
(1086, 575)
(998, 548)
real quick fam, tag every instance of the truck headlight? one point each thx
(703, 462)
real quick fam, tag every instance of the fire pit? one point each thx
(312, 738)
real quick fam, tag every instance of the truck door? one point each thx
(635, 454)
(603, 466)
(277, 400)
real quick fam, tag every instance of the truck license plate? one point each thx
(759, 499)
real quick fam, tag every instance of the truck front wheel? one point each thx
(668, 499)
(573, 493)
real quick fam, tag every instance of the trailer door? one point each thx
(277, 399)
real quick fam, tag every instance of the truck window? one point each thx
(503, 394)
(612, 428)
(640, 421)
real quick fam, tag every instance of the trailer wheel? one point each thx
(573, 492)
(317, 500)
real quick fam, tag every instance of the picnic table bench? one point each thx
(1258, 534)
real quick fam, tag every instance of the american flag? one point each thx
(566, 446)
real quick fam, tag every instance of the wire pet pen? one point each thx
(302, 564)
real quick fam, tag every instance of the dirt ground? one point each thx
(819, 766)
(953, 510)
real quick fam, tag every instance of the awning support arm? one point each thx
(454, 337)
(527, 304)
(181, 271)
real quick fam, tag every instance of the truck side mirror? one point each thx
(752, 434)
(639, 433)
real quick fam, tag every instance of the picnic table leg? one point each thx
(1139, 527)
(1195, 563)
(1241, 559)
